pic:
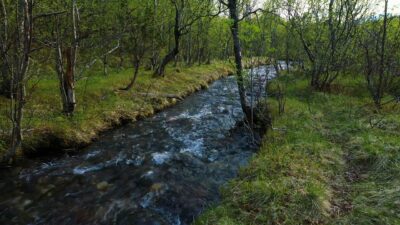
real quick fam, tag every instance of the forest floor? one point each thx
(100, 105)
(329, 159)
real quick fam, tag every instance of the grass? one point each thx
(100, 104)
(329, 159)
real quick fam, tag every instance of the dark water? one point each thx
(163, 170)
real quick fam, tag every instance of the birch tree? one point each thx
(18, 38)
(66, 48)
(235, 17)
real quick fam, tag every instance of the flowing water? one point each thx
(163, 170)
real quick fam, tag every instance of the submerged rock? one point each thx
(103, 186)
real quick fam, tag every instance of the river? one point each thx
(163, 170)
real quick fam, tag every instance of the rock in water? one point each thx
(103, 186)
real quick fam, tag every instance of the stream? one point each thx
(163, 170)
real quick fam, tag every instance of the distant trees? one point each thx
(339, 39)
(220, 40)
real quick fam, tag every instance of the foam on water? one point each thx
(92, 154)
(80, 170)
(135, 161)
(83, 170)
(161, 158)
(194, 147)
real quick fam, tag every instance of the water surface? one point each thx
(163, 170)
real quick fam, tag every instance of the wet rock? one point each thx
(158, 188)
(174, 100)
(213, 155)
(190, 161)
(46, 189)
(103, 186)
(146, 179)
(27, 203)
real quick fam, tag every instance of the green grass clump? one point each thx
(329, 159)
(100, 104)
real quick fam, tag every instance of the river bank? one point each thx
(101, 106)
(329, 159)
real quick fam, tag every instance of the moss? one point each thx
(101, 105)
(324, 162)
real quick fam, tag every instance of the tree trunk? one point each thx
(381, 83)
(18, 78)
(66, 75)
(189, 50)
(17, 115)
(66, 80)
(121, 59)
(105, 65)
(5, 79)
(69, 83)
(277, 68)
(288, 35)
(160, 71)
(232, 5)
(130, 85)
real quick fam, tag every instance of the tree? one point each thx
(380, 42)
(327, 29)
(233, 7)
(17, 59)
(104, 27)
(186, 13)
(66, 49)
(136, 36)
(5, 79)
